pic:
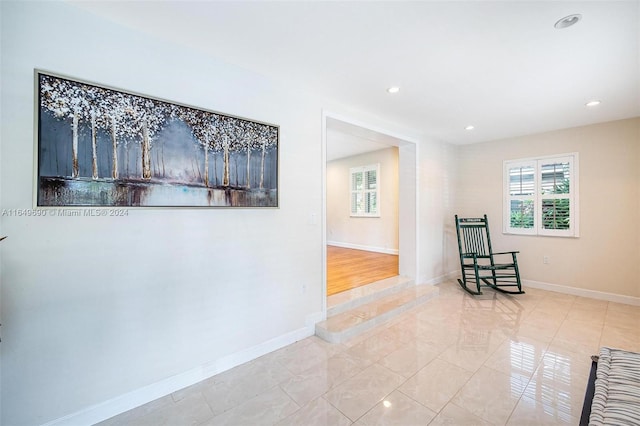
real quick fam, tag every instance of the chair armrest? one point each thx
(506, 252)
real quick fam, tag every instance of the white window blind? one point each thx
(365, 195)
(541, 196)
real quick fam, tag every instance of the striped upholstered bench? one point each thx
(615, 391)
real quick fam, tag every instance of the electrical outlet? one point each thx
(545, 260)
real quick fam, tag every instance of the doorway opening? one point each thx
(352, 268)
(388, 241)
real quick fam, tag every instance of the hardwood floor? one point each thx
(349, 268)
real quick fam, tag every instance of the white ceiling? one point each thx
(500, 66)
(346, 139)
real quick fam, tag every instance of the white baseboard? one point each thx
(439, 279)
(107, 409)
(312, 319)
(363, 247)
(593, 294)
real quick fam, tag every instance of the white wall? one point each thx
(365, 233)
(437, 170)
(98, 308)
(606, 256)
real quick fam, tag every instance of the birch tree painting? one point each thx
(103, 147)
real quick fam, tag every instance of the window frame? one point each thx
(537, 196)
(363, 169)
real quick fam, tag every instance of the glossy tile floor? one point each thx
(455, 360)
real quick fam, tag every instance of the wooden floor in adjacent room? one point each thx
(349, 268)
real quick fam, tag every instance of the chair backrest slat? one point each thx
(473, 236)
(474, 240)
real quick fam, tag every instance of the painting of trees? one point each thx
(101, 146)
(65, 100)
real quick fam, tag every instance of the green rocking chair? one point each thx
(479, 268)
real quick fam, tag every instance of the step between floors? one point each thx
(355, 311)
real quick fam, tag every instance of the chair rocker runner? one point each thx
(477, 262)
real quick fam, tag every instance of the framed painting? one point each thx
(102, 147)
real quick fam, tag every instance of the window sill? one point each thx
(523, 234)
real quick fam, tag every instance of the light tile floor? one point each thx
(454, 360)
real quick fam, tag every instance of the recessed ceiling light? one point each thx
(393, 89)
(593, 103)
(469, 127)
(568, 21)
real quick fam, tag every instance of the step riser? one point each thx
(355, 330)
(403, 283)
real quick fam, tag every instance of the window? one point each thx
(541, 196)
(365, 195)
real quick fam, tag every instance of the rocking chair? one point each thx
(477, 259)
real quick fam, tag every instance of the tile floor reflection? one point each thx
(454, 360)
